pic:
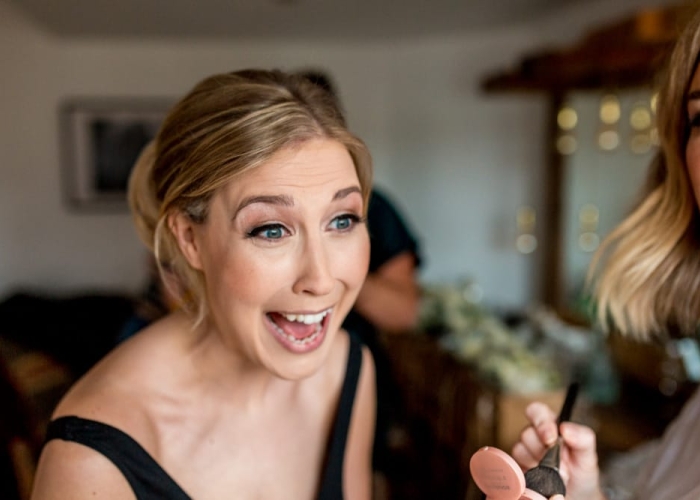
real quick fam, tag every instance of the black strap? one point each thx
(146, 477)
(332, 486)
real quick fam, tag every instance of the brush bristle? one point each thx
(545, 481)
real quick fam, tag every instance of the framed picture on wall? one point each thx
(100, 139)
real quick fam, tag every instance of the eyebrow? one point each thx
(287, 201)
(344, 193)
(693, 94)
(280, 200)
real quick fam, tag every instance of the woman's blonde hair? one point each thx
(646, 274)
(226, 125)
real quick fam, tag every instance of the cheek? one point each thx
(353, 260)
(250, 276)
(365, 256)
(231, 273)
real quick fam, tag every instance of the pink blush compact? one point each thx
(499, 476)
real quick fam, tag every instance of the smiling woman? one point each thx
(252, 198)
(282, 243)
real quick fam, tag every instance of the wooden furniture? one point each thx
(30, 385)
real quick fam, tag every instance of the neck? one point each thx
(220, 366)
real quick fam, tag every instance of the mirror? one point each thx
(600, 140)
(607, 142)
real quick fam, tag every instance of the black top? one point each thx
(149, 481)
(389, 232)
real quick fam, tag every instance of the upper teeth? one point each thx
(307, 319)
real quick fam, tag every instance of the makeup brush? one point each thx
(545, 478)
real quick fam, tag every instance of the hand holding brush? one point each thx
(500, 478)
(545, 477)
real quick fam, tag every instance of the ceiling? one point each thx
(288, 19)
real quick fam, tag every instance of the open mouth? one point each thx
(299, 329)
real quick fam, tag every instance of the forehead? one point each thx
(313, 162)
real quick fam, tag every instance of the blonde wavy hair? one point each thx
(226, 125)
(646, 275)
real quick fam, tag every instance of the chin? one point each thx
(299, 369)
(298, 364)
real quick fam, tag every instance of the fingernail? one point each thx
(548, 435)
(557, 497)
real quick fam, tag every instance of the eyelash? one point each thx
(354, 220)
(258, 232)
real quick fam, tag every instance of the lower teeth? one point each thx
(295, 340)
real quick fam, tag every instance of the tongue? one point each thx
(294, 328)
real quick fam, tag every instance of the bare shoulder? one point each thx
(357, 467)
(70, 470)
(119, 389)
(366, 386)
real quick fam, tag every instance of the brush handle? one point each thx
(568, 406)
(545, 478)
(551, 457)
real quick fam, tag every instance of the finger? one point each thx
(544, 420)
(538, 412)
(531, 440)
(522, 455)
(581, 441)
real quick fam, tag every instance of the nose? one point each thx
(315, 269)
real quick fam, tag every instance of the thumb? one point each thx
(581, 442)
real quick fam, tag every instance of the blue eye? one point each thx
(345, 222)
(269, 232)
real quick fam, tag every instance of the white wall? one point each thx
(458, 162)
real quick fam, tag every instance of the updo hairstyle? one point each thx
(226, 125)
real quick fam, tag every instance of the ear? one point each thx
(185, 234)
